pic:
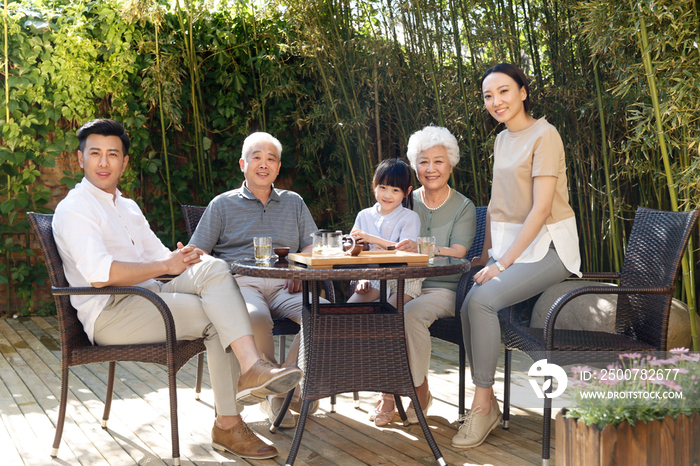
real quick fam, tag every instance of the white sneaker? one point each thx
(475, 427)
(271, 406)
(411, 413)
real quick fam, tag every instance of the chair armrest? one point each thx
(170, 335)
(600, 276)
(559, 303)
(465, 284)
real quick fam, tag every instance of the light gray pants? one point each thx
(480, 326)
(205, 302)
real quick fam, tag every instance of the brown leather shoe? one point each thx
(242, 441)
(265, 378)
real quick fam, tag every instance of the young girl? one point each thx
(386, 223)
(531, 236)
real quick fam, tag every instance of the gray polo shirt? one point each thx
(234, 218)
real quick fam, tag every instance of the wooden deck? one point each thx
(139, 425)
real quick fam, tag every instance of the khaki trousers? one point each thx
(419, 314)
(205, 301)
(266, 299)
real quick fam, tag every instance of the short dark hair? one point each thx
(395, 172)
(515, 73)
(103, 127)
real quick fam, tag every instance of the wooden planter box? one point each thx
(669, 442)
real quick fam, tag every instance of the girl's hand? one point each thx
(407, 245)
(363, 237)
(362, 287)
(486, 274)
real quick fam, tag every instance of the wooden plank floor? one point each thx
(139, 425)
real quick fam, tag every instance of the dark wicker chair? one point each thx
(77, 350)
(282, 327)
(450, 328)
(647, 283)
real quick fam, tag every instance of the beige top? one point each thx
(518, 158)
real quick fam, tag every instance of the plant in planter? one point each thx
(640, 410)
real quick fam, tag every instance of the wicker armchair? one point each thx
(77, 350)
(450, 328)
(282, 327)
(647, 283)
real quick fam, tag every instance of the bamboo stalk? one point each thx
(465, 97)
(8, 287)
(651, 79)
(163, 139)
(606, 167)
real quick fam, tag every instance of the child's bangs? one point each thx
(397, 175)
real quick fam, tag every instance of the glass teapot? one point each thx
(329, 243)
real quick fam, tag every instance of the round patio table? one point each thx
(350, 347)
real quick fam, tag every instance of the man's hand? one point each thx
(182, 258)
(191, 248)
(293, 286)
(362, 287)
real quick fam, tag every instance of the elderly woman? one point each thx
(451, 219)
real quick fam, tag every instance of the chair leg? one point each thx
(108, 395)
(283, 410)
(462, 377)
(61, 412)
(200, 370)
(283, 344)
(402, 412)
(175, 437)
(546, 423)
(333, 403)
(356, 399)
(298, 433)
(506, 390)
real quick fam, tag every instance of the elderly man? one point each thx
(257, 208)
(104, 240)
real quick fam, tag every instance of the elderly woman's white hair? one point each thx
(256, 138)
(432, 136)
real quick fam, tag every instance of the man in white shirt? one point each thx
(104, 240)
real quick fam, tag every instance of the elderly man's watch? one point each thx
(500, 267)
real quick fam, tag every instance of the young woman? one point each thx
(531, 240)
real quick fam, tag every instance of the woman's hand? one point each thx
(486, 274)
(407, 245)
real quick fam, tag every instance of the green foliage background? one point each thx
(343, 85)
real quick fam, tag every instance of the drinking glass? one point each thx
(263, 248)
(426, 245)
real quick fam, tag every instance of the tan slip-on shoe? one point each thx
(242, 441)
(411, 412)
(475, 427)
(313, 406)
(271, 406)
(265, 378)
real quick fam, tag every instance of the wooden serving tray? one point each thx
(366, 258)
